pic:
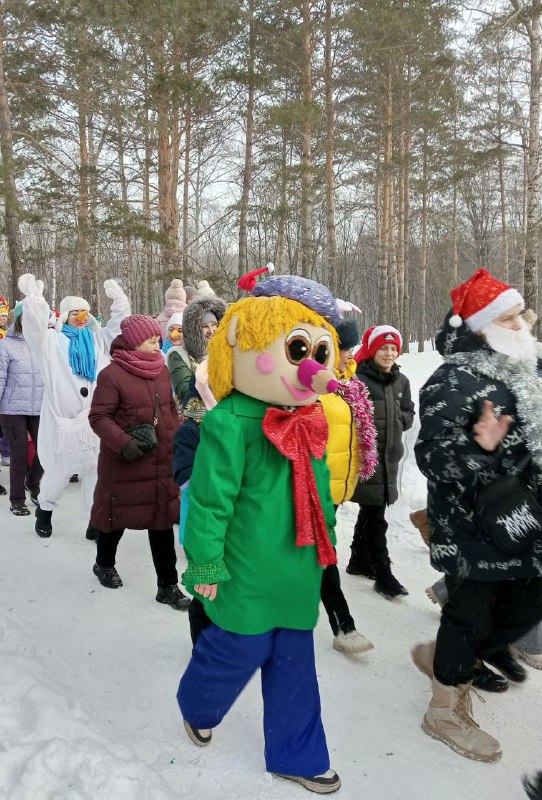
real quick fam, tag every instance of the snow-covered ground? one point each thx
(88, 678)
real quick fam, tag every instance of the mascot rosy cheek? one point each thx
(279, 345)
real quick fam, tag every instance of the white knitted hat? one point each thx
(175, 319)
(204, 288)
(74, 303)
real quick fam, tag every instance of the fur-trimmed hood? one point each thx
(195, 342)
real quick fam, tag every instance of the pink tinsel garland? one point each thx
(356, 395)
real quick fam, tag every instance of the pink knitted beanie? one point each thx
(137, 328)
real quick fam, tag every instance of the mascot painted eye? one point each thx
(298, 346)
(322, 350)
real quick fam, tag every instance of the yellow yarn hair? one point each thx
(261, 321)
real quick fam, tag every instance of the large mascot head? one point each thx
(278, 345)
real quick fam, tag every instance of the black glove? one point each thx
(131, 451)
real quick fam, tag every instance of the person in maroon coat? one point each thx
(135, 487)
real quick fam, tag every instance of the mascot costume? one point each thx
(260, 525)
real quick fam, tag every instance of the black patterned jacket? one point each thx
(446, 453)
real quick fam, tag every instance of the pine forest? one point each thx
(386, 148)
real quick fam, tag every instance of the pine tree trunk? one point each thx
(84, 206)
(306, 237)
(400, 247)
(330, 147)
(127, 260)
(405, 330)
(146, 261)
(504, 224)
(533, 177)
(385, 232)
(502, 189)
(421, 304)
(283, 209)
(168, 210)
(249, 143)
(95, 300)
(13, 236)
(186, 190)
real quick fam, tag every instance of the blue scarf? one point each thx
(82, 355)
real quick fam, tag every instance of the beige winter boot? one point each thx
(449, 718)
(423, 655)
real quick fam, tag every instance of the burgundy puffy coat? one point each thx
(138, 494)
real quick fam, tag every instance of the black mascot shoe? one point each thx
(43, 525)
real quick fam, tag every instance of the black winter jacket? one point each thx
(450, 404)
(393, 414)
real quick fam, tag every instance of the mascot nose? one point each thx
(175, 335)
(81, 317)
(316, 377)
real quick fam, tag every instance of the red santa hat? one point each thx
(376, 337)
(481, 300)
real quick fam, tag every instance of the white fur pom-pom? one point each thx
(270, 267)
(455, 321)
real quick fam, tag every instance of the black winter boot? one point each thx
(2, 490)
(508, 665)
(43, 525)
(172, 596)
(487, 680)
(108, 576)
(387, 585)
(20, 509)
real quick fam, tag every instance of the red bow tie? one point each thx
(298, 435)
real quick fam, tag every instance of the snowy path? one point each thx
(88, 678)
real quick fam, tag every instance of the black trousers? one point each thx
(369, 545)
(162, 548)
(482, 618)
(16, 428)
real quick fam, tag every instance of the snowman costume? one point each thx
(66, 442)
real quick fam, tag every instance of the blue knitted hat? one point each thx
(309, 293)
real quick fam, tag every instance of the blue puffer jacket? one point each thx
(21, 385)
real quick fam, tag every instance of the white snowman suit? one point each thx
(66, 443)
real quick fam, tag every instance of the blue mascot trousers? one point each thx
(222, 664)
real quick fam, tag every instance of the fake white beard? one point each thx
(518, 345)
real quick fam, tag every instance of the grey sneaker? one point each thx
(321, 784)
(201, 737)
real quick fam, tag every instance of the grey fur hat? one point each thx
(195, 342)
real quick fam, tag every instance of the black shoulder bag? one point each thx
(508, 512)
(145, 433)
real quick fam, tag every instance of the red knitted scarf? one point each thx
(144, 365)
